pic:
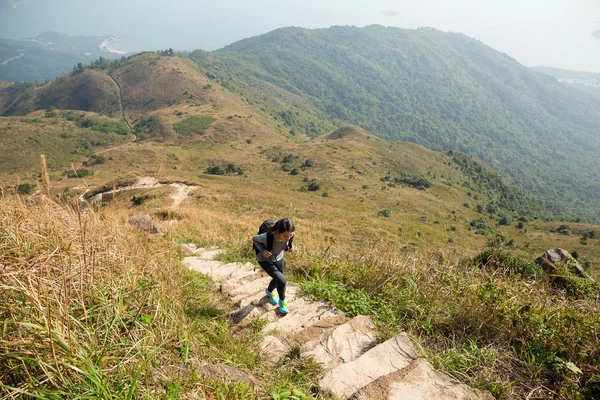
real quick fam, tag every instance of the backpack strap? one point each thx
(270, 238)
(289, 244)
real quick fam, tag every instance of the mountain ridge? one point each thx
(443, 90)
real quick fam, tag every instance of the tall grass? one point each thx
(91, 308)
(83, 303)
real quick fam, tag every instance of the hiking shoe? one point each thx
(283, 306)
(272, 296)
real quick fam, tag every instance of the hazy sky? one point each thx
(554, 33)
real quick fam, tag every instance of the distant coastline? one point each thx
(106, 45)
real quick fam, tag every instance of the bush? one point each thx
(25, 188)
(564, 230)
(215, 170)
(98, 159)
(81, 173)
(314, 185)
(385, 213)
(295, 171)
(51, 112)
(309, 163)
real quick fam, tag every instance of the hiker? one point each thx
(279, 239)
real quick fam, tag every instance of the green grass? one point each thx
(475, 324)
(197, 124)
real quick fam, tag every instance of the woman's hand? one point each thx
(267, 254)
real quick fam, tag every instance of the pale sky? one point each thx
(555, 33)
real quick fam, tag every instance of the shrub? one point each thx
(309, 163)
(81, 173)
(314, 185)
(325, 194)
(564, 230)
(51, 112)
(98, 159)
(385, 213)
(295, 171)
(25, 188)
(288, 159)
(215, 170)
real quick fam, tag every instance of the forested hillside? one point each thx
(442, 90)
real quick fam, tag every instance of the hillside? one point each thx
(383, 228)
(90, 90)
(48, 55)
(442, 90)
(588, 81)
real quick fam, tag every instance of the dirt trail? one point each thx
(121, 102)
(180, 190)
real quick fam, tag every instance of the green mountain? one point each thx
(442, 90)
(49, 55)
(587, 81)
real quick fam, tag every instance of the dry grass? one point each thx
(84, 302)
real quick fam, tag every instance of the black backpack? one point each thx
(268, 226)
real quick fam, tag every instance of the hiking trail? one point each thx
(355, 365)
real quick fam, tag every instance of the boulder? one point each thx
(554, 259)
(145, 223)
(568, 275)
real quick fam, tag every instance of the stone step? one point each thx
(249, 289)
(205, 267)
(223, 272)
(303, 314)
(208, 254)
(291, 294)
(342, 344)
(419, 381)
(386, 358)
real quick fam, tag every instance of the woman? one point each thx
(271, 259)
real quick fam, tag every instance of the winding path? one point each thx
(121, 101)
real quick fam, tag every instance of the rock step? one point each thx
(391, 356)
(419, 381)
(342, 344)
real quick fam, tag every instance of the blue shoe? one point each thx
(283, 306)
(272, 296)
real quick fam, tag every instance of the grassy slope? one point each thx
(444, 91)
(343, 242)
(23, 139)
(89, 90)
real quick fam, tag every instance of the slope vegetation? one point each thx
(444, 91)
(89, 90)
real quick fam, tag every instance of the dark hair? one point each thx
(284, 225)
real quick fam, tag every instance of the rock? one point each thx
(194, 370)
(553, 259)
(187, 250)
(95, 200)
(419, 381)
(272, 349)
(203, 266)
(388, 357)
(145, 223)
(303, 315)
(344, 344)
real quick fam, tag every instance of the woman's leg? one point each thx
(275, 271)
